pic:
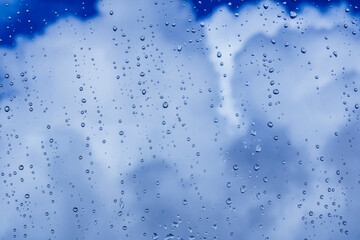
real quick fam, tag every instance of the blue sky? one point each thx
(154, 120)
(204, 9)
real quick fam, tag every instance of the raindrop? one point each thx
(276, 91)
(258, 148)
(293, 15)
(121, 203)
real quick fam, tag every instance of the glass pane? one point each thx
(179, 119)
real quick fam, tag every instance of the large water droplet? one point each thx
(293, 15)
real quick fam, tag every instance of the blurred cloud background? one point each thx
(148, 120)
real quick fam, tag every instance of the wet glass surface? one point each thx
(179, 119)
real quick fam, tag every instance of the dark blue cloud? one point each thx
(28, 17)
(205, 8)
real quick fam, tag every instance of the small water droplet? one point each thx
(258, 148)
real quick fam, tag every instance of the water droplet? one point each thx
(219, 54)
(293, 15)
(169, 236)
(276, 91)
(121, 203)
(7, 108)
(165, 104)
